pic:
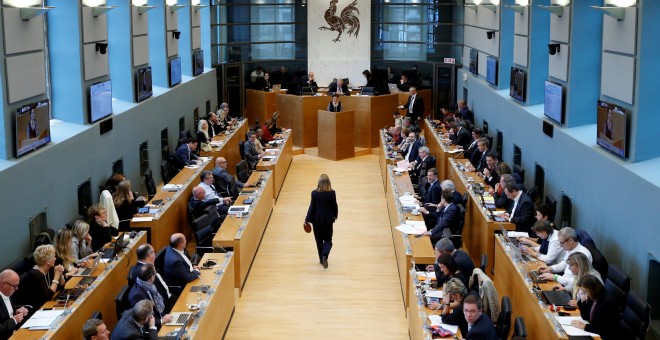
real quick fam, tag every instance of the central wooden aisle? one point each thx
(288, 294)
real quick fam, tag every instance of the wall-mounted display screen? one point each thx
(175, 71)
(612, 123)
(143, 84)
(491, 70)
(100, 101)
(32, 127)
(517, 84)
(198, 62)
(553, 104)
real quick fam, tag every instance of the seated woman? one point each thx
(113, 181)
(126, 204)
(63, 242)
(81, 242)
(454, 291)
(449, 269)
(335, 104)
(40, 283)
(267, 136)
(550, 250)
(99, 229)
(597, 307)
(580, 266)
(203, 131)
(144, 288)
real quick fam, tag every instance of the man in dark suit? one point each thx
(339, 87)
(421, 164)
(412, 151)
(215, 126)
(480, 155)
(95, 329)
(501, 199)
(446, 246)
(144, 289)
(178, 268)
(263, 83)
(252, 156)
(309, 81)
(449, 185)
(472, 147)
(480, 326)
(415, 106)
(447, 217)
(459, 135)
(465, 111)
(430, 198)
(489, 173)
(9, 317)
(146, 255)
(199, 202)
(134, 321)
(186, 152)
(521, 212)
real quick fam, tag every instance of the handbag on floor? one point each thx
(308, 227)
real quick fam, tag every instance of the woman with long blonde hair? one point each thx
(63, 241)
(126, 204)
(203, 131)
(322, 213)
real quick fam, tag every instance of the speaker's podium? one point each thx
(336, 135)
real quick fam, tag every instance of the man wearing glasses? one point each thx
(9, 318)
(561, 272)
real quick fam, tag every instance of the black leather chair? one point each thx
(466, 197)
(166, 171)
(242, 171)
(552, 203)
(456, 235)
(96, 315)
(519, 329)
(22, 265)
(484, 262)
(215, 220)
(175, 162)
(159, 262)
(203, 234)
(598, 260)
(636, 318)
(503, 325)
(130, 278)
(149, 183)
(241, 149)
(121, 301)
(617, 284)
(520, 171)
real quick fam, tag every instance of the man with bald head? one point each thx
(178, 268)
(9, 318)
(228, 185)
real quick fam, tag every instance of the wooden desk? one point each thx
(479, 230)
(301, 114)
(510, 280)
(230, 147)
(244, 234)
(279, 166)
(438, 149)
(212, 322)
(111, 277)
(336, 135)
(260, 105)
(418, 322)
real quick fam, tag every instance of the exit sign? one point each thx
(450, 61)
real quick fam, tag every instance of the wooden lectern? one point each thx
(336, 134)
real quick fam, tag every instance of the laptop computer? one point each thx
(557, 297)
(238, 209)
(277, 87)
(367, 91)
(90, 270)
(69, 294)
(393, 88)
(120, 243)
(180, 318)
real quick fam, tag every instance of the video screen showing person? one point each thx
(32, 127)
(611, 124)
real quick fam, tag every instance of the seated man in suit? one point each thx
(228, 185)
(199, 203)
(339, 87)
(95, 329)
(412, 149)
(186, 152)
(447, 216)
(521, 212)
(463, 260)
(449, 185)
(489, 173)
(479, 157)
(252, 156)
(459, 135)
(178, 268)
(472, 147)
(147, 256)
(9, 317)
(145, 289)
(431, 198)
(500, 197)
(421, 164)
(137, 323)
(309, 81)
(465, 111)
(210, 191)
(480, 326)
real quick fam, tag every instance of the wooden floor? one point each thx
(288, 294)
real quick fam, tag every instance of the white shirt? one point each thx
(567, 277)
(410, 148)
(210, 193)
(555, 250)
(515, 204)
(7, 302)
(185, 258)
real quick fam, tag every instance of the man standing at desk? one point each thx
(186, 152)
(415, 106)
(9, 318)
(178, 268)
(465, 111)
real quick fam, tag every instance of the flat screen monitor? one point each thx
(612, 122)
(198, 62)
(100, 101)
(491, 70)
(32, 127)
(553, 104)
(517, 84)
(474, 61)
(143, 83)
(175, 71)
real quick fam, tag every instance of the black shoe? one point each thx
(324, 262)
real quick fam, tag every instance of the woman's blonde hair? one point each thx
(584, 268)
(201, 123)
(122, 193)
(80, 229)
(62, 242)
(324, 183)
(94, 211)
(43, 253)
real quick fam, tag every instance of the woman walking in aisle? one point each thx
(322, 213)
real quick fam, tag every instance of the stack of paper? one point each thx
(422, 276)
(410, 230)
(42, 319)
(434, 294)
(402, 166)
(565, 322)
(172, 187)
(272, 151)
(518, 234)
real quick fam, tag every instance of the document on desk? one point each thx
(565, 322)
(410, 230)
(402, 166)
(488, 199)
(518, 234)
(42, 319)
(434, 294)
(436, 320)
(142, 219)
(456, 151)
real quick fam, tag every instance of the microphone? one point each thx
(66, 302)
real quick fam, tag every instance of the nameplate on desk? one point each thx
(172, 187)
(268, 159)
(142, 219)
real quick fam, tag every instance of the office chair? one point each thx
(521, 172)
(149, 183)
(503, 326)
(121, 301)
(23, 264)
(165, 171)
(636, 317)
(519, 329)
(96, 315)
(617, 283)
(466, 197)
(241, 149)
(242, 171)
(159, 262)
(598, 261)
(131, 277)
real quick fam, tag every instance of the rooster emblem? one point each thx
(348, 21)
